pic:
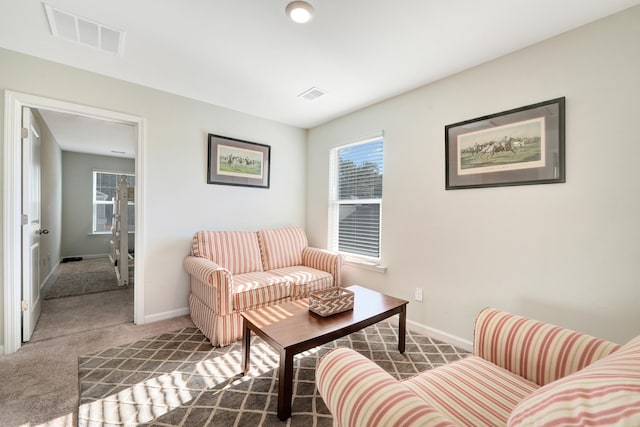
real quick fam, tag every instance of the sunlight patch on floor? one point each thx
(159, 395)
(63, 421)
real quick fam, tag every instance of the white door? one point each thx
(31, 231)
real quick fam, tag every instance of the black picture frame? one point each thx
(522, 146)
(233, 161)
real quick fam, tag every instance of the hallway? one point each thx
(72, 315)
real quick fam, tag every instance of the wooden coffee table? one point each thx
(291, 328)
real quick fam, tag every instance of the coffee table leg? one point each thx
(402, 329)
(246, 347)
(285, 384)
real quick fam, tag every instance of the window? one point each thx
(105, 186)
(356, 198)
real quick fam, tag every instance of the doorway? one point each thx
(82, 162)
(12, 257)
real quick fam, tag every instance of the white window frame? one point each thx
(334, 207)
(95, 203)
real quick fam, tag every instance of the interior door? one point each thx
(31, 228)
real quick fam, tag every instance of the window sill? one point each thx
(366, 265)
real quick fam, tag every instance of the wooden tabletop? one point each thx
(291, 328)
(291, 323)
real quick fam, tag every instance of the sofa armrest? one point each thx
(208, 274)
(360, 393)
(324, 260)
(538, 351)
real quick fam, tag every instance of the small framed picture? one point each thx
(516, 147)
(236, 162)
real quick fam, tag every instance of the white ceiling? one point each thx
(89, 135)
(247, 55)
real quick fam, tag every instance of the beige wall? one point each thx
(566, 253)
(178, 199)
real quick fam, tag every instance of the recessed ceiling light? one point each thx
(299, 11)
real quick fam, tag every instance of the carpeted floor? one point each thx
(39, 383)
(178, 379)
(81, 277)
(80, 313)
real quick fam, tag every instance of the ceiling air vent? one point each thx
(312, 94)
(84, 31)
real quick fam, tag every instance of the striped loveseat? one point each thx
(522, 373)
(233, 271)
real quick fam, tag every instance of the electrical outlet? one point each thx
(418, 294)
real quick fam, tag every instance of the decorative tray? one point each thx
(331, 301)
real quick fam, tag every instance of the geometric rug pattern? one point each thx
(81, 277)
(178, 379)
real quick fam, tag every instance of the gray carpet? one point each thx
(178, 379)
(81, 277)
(80, 313)
(39, 383)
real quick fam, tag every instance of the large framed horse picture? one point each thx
(515, 147)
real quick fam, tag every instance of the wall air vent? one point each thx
(85, 31)
(312, 94)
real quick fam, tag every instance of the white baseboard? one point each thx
(414, 326)
(53, 270)
(166, 315)
(440, 335)
(435, 334)
(87, 256)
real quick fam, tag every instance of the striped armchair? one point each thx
(522, 373)
(233, 271)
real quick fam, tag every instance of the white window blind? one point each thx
(356, 198)
(105, 186)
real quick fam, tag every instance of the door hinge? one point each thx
(25, 219)
(25, 305)
(25, 133)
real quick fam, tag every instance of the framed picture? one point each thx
(236, 162)
(516, 147)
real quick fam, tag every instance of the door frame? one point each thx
(12, 198)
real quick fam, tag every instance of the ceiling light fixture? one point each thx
(299, 11)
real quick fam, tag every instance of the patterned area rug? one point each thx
(81, 277)
(178, 379)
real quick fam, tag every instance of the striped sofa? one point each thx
(232, 271)
(522, 373)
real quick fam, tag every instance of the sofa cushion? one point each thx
(253, 290)
(282, 247)
(305, 279)
(605, 393)
(237, 251)
(472, 391)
